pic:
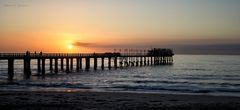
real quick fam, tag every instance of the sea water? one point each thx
(190, 74)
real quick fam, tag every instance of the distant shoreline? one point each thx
(114, 100)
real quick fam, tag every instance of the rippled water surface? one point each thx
(195, 74)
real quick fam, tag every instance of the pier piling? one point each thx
(27, 66)
(39, 65)
(80, 63)
(56, 65)
(67, 65)
(102, 66)
(71, 64)
(115, 62)
(95, 63)
(109, 63)
(43, 66)
(62, 64)
(10, 69)
(77, 64)
(87, 63)
(51, 64)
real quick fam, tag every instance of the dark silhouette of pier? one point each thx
(120, 60)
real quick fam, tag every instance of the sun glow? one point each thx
(70, 46)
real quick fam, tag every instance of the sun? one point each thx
(70, 46)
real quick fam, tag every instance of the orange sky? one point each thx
(102, 25)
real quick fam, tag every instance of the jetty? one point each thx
(156, 56)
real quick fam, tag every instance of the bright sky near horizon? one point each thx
(92, 25)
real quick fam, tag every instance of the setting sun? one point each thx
(70, 46)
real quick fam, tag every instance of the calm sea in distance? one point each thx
(190, 74)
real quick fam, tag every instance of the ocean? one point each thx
(190, 74)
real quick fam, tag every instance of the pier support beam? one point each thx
(154, 60)
(51, 64)
(121, 63)
(102, 66)
(130, 61)
(141, 61)
(137, 61)
(148, 62)
(77, 65)
(87, 63)
(27, 67)
(39, 65)
(56, 65)
(43, 66)
(80, 63)
(151, 58)
(71, 65)
(115, 62)
(109, 63)
(95, 63)
(145, 61)
(67, 65)
(62, 64)
(10, 69)
(167, 60)
(126, 63)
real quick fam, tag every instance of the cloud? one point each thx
(96, 45)
(82, 44)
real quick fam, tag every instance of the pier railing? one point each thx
(37, 55)
(34, 55)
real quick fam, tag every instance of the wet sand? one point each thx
(114, 101)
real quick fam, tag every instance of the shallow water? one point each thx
(195, 74)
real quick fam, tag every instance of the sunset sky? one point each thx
(187, 26)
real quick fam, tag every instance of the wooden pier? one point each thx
(120, 60)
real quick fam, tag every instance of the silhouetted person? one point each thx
(27, 53)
